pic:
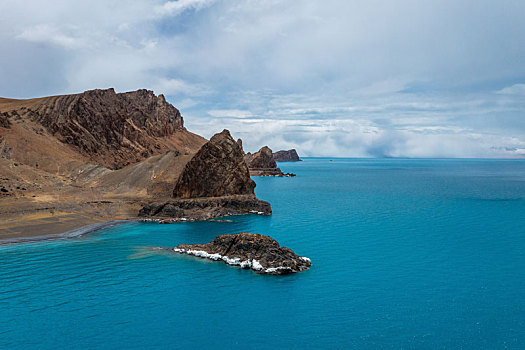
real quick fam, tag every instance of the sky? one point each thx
(339, 78)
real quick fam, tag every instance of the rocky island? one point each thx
(262, 163)
(98, 156)
(286, 156)
(260, 253)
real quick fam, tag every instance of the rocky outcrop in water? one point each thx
(218, 169)
(260, 253)
(261, 163)
(262, 159)
(286, 156)
(214, 182)
(177, 210)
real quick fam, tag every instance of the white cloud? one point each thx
(175, 8)
(49, 34)
(516, 89)
(179, 86)
(355, 78)
(230, 113)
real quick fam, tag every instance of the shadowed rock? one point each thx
(261, 163)
(4, 120)
(215, 182)
(217, 169)
(248, 250)
(239, 142)
(262, 159)
(286, 156)
(177, 210)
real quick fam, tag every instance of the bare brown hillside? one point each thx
(72, 160)
(108, 128)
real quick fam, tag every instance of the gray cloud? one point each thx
(332, 77)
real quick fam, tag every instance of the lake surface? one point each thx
(413, 254)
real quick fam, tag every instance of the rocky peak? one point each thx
(217, 169)
(262, 159)
(113, 129)
(239, 142)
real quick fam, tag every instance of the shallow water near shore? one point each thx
(405, 253)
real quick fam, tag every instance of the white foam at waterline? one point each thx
(275, 269)
(256, 212)
(254, 264)
(235, 261)
(306, 259)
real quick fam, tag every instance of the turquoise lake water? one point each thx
(413, 254)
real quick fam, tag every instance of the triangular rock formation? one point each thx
(218, 169)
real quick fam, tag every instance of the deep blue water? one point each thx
(411, 254)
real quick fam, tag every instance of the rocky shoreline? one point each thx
(177, 210)
(260, 253)
(97, 157)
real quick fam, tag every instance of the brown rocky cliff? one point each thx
(261, 163)
(263, 159)
(112, 129)
(217, 169)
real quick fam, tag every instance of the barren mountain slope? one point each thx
(106, 128)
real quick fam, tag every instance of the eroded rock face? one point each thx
(217, 169)
(239, 142)
(262, 159)
(113, 129)
(248, 250)
(286, 156)
(4, 120)
(261, 163)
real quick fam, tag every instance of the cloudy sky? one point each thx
(328, 77)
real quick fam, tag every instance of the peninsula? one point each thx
(75, 160)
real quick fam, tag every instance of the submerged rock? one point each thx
(260, 253)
